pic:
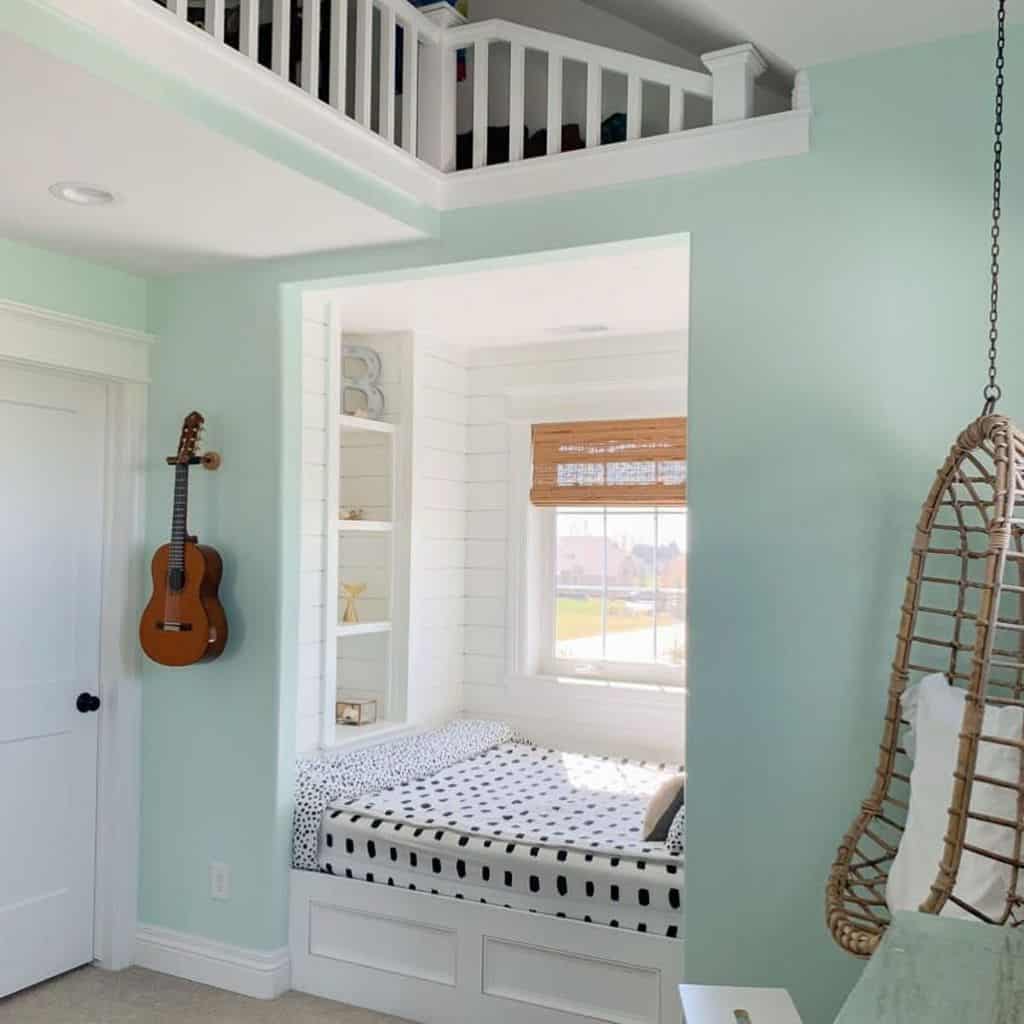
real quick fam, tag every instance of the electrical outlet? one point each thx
(220, 881)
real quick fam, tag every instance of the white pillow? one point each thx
(935, 712)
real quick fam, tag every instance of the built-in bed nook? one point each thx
(490, 806)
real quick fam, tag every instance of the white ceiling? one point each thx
(800, 33)
(630, 291)
(187, 196)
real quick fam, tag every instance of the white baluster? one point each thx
(410, 87)
(555, 115)
(676, 108)
(282, 29)
(339, 53)
(311, 47)
(214, 19)
(481, 92)
(595, 85)
(435, 141)
(448, 140)
(634, 107)
(516, 102)
(249, 29)
(387, 73)
(801, 96)
(364, 61)
(178, 7)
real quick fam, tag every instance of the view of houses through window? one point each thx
(621, 585)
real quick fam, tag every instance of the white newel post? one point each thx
(438, 78)
(733, 73)
(802, 91)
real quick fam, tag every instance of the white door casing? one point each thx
(52, 454)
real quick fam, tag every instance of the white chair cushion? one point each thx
(935, 711)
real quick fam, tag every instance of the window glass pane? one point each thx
(579, 610)
(630, 634)
(671, 568)
(632, 473)
(621, 586)
(580, 474)
(672, 473)
(578, 625)
(630, 553)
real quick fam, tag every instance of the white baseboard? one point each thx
(249, 972)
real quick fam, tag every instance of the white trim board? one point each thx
(41, 337)
(119, 780)
(249, 972)
(697, 149)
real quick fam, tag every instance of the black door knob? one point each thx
(87, 702)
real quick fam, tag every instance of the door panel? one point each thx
(51, 521)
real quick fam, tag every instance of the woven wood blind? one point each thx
(610, 462)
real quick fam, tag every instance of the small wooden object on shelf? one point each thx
(352, 591)
(356, 712)
(353, 515)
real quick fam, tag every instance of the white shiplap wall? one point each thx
(438, 535)
(314, 490)
(509, 388)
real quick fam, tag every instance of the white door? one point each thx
(52, 432)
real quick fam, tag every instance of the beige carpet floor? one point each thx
(136, 996)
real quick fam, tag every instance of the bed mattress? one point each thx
(521, 827)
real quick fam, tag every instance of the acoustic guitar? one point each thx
(184, 622)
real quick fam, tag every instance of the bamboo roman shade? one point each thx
(610, 462)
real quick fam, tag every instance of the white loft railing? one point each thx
(343, 52)
(593, 62)
(394, 70)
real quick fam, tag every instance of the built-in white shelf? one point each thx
(364, 423)
(362, 628)
(365, 526)
(353, 737)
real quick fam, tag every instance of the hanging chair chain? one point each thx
(993, 392)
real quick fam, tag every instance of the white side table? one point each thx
(715, 1004)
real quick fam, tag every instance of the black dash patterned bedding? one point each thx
(517, 826)
(376, 768)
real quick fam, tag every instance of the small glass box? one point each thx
(356, 712)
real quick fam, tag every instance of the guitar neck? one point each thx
(179, 529)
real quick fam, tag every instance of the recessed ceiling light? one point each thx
(579, 329)
(80, 194)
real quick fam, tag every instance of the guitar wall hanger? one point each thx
(208, 460)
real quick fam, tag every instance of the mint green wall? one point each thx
(64, 284)
(838, 329)
(210, 735)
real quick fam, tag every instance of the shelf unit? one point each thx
(362, 423)
(362, 628)
(386, 539)
(364, 526)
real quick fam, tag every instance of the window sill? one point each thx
(355, 737)
(613, 688)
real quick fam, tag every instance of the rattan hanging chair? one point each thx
(963, 616)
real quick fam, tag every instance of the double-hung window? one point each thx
(613, 580)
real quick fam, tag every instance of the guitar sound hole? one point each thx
(176, 579)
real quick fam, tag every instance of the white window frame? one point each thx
(598, 670)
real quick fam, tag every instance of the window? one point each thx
(619, 594)
(612, 558)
